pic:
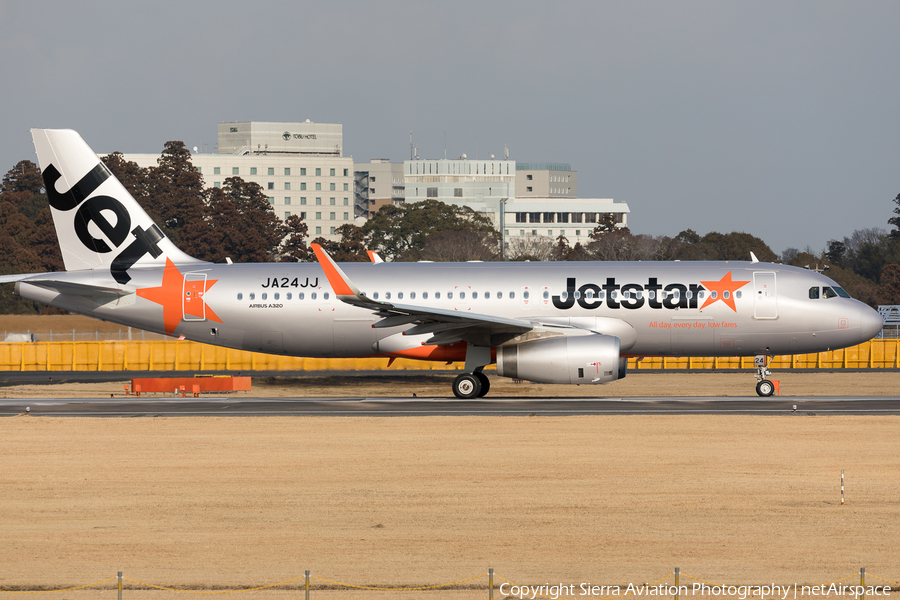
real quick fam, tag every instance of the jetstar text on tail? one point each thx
(652, 294)
(92, 209)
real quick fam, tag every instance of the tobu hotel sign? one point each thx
(288, 136)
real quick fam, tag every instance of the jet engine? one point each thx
(592, 358)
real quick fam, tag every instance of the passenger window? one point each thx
(564, 296)
(577, 295)
(312, 296)
(325, 295)
(546, 294)
(399, 295)
(375, 296)
(449, 295)
(737, 294)
(814, 293)
(525, 294)
(589, 294)
(424, 295)
(726, 294)
(462, 295)
(265, 296)
(387, 295)
(474, 295)
(276, 295)
(700, 294)
(437, 295)
(713, 294)
(252, 296)
(512, 295)
(841, 292)
(828, 292)
(301, 296)
(499, 295)
(240, 296)
(289, 296)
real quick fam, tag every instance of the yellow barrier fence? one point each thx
(193, 356)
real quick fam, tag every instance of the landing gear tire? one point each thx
(485, 384)
(765, 388)
(466, 386)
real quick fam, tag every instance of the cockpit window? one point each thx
(814, 293)
(841, 292)
(828, 292)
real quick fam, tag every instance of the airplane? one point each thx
(547, 322)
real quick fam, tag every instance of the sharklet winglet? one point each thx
(340, 283)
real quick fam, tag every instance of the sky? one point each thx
(779, 119)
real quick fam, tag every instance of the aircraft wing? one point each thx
(448, 326)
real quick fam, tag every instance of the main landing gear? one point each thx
(764, 387)
(471, 385)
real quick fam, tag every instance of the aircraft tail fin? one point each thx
(99, 224)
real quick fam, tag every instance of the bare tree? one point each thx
(536, 248)
(460, 246)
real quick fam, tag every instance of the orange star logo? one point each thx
(724, 290)
(179, 297)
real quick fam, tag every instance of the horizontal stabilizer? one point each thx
(78, 289)
(17, 277)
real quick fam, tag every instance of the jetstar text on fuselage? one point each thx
(634, 295)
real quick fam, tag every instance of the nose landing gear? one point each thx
(764, 387)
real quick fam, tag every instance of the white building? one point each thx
(546, 180)
(298, 165)
(574, 218)
(549, 206)
(377, 183)
(479, 184)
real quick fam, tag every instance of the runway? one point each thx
(221, 406)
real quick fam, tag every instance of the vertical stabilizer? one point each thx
(99, 224)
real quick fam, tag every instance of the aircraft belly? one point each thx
(353, 337)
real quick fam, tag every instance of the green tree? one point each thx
(835, 252)
(561, 250)
(24, 178)
(350, 248)
(723, 246)
(293, 246)
(134, 179)
(607, 223)
(240, 225)
(889, 285)
(895, 220)
(401, 232)
(175, 190)
(688, 237)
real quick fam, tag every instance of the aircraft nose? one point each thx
(870, 322)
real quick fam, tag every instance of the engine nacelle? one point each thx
(592, 358)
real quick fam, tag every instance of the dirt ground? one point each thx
(210, 504)
(206, 502)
